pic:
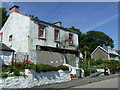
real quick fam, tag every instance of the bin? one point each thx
(78, 73)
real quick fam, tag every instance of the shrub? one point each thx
(16, 71)
(6, 68)
(93, 70)
(63, 67)
(106, 61)
(99, 61)
(3, 74)
(46, 67)
(29, 65)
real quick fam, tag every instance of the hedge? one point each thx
(46, 67)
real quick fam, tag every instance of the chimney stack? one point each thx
(58, 24)
(15, 8)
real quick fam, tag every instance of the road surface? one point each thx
(110, 83)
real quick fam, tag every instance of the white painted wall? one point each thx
(35, 79)
(49, 35)
(18, 26)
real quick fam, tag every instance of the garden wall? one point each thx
(35, 79)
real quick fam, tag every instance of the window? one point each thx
(70, 38)
(56, 35)
(41, 31)
(10, 38)
(1, 36)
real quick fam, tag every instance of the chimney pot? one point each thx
(15, 8)
(58, 24)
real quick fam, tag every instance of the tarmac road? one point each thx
(110, 83)
(81, 82)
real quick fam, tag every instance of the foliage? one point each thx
(92, 39)
(17, 76)
(63, 67)
(99, 62)
(112, 64)
(15, 70)
(3, 15)
(5, 68)
(3, 74)
(29, 65)
(46, 67)
(90, 70)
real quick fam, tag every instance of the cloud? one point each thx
(109, 19)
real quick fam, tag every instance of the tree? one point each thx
(95, 38)
(86, 49)
(3, 16)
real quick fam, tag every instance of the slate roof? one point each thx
(61, 27)
(111, 50)
(108, 50)
(3, 47)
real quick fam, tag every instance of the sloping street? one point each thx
(110, 83)
(110, 80)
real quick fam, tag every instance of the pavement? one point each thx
(77, 82)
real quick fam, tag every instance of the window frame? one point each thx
(1, 36)
(43, 38)
(72, 38)
(58, 36)
(10, 38)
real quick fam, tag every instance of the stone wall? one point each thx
(35, 79)
(54, 58)
(100, 54)
(48, 57)
(71, 59)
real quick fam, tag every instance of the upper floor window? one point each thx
(56, 35)
(10, 38)
(1, 36)
(41, 31)
(70, 38)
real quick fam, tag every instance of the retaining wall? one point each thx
(35, 79)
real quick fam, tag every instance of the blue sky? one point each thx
(86, 16)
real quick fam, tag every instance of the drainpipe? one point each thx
(28, 47)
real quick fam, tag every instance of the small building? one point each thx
(105, 53)
(40, 41)
(6, 54)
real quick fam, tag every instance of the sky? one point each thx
(86, 16)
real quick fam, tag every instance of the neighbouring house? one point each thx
(105, 53)
(40, 41)
(6, 54)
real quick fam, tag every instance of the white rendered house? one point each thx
(40, 41)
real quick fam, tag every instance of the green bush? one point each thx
(16, 71)
(30, 66)
(90, 70)
(87, 70)
(63, 67)
(99, 61)
(46, 67)
(106, 61)
(93, 70)
(3, 74)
